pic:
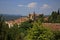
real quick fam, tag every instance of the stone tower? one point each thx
(32, 16)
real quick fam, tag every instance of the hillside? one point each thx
(8, 17)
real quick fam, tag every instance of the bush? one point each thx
(38, 32)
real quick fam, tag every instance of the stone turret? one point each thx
(33, 16)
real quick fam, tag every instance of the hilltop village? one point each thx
(32, 16)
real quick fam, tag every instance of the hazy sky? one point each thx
(24, 7)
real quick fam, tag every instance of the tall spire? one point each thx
(34, 14)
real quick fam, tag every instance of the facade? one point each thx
(34, 16)
(17, 21)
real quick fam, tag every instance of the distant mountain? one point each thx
(8, 17)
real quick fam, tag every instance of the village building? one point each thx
(31, 16)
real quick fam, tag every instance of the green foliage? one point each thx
(57, 35)
(38, 32)
(3, 29)
(29, 30)
(18, 33)
(58, 19)
(26, 25)
(41, 18)
(14, 33)
(54, 17)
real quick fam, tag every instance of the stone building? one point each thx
(33, 16)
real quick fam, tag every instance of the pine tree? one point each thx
(3, 29)
(58, 11)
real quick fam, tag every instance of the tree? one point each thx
(3, 29)
(14, 33)
(24, 27)
(59, 11)
(57, 35)
(58, 19)
(53, 17)
(38, 32)
(41, 18)
(18, 33)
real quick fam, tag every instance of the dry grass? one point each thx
(53, 26)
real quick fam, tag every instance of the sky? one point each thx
(25, 7)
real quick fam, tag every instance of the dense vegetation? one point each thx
(54, 17)
(30, 30)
